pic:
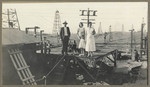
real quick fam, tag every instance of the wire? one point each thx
(54, 66)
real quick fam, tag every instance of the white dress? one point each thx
(81, 33)
(90, 40)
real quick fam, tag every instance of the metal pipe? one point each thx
(142, 36)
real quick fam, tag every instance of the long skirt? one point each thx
(90, 43)
(82, 43)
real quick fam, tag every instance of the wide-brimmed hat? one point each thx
(65, 22)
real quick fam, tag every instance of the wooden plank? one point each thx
(110, 59)
(22, 71)
(15, 52)
(23, 65)
(26, 79)
(107, 54)
(23, 68)
(27, 69)
(15, 57)
(16, 68)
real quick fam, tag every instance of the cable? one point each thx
(44, 77)
(54, 66)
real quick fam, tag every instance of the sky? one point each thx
(115, 14)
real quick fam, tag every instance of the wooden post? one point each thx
(116, 55)
(45, 50)
(26, 30)
(88, 13)
(35, 31)
(141, 51)
(8, 17)
(110, 34)
(131, 42)
(145, 42)
(142, 36)
(41, 41)
(41, 34)
(17, 19)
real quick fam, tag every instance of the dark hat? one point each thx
(65, 22)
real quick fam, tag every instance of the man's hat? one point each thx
(65, 22)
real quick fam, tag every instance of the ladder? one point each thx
(21, 67)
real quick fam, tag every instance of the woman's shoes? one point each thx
(89, 56)
(81, 54)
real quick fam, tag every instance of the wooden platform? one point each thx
(103, 51)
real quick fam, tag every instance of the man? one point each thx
(65, 35)
(136, 55)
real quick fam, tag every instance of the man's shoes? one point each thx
(62, 53)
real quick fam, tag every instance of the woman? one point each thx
(90, 40)
(81, 36)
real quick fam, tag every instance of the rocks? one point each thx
(79, 77)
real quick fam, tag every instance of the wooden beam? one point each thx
(110, 59)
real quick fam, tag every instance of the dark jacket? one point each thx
(62, 32)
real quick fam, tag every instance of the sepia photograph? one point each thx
(75, 43)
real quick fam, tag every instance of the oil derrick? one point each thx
(100, 29)
(10, 19)
(110, 34)
(88, 13)
(57, 24)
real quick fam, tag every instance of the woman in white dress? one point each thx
(90, 40)
(81, 36)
